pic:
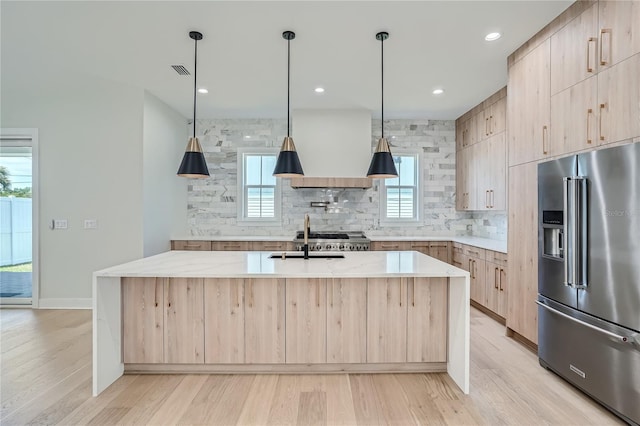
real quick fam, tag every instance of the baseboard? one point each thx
(522, 340)
(488, 312)
(62, 303)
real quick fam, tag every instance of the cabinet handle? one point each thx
(331, 287)
(474, 252)
(389, 245)
(491, 124)
(544, 140)
(591, 39)
(604, 31)
(413, 292)
(486, 198)
(318, 293)
(602, 107)
(493, 199)
(501, 271)
(589, 112)
(486, 126)
(155, 293)
(455, 262)
(496, 278)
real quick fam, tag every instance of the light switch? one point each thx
(60, 224)
(90, 224)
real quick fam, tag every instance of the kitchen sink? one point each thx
(299, 255)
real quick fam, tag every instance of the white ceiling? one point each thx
(242, 58)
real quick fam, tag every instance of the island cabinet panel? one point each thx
(306, 324)
(224, 320)
(387, 319)
(184, 321)
(264, 316)
(347, 320)
(427, 320)
(142, 320)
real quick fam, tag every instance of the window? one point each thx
(260, 195)
(400, 195)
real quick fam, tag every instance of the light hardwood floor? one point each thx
(46, 379)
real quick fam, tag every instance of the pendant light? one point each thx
(382, 162)
(193, 163)
(288, 164)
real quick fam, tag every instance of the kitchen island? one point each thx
(245, 312)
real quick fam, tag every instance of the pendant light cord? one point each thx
(288, 80)
(195, 83)
(382, 80)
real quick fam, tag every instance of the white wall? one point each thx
(164, 193)
(90, 135)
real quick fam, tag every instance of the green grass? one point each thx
(23, 267)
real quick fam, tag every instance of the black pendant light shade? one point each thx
(193, 163)
(288, 164)
(382, 165)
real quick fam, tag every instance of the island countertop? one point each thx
(239, 264)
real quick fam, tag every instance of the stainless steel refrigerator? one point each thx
(589, 274)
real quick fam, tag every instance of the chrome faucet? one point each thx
(307, 229)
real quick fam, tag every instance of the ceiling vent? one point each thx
(180, 69)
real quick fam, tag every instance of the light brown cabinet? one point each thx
(575, 118)
(528, 106)
(426, 319)
(272, 246)
(574, 51)
(224, 320)
(619, 101)
(441, 250)
(496, 283)
(619, 31)
(390, 245)
(142, 320)
(386, 320)
(230, 245)
(347, 320)
(476, 268)
(522, 314)
(264, 313)
(184, 321)
(491, 120)
(306, 324)
(192, 245)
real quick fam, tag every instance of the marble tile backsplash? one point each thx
(212, 203)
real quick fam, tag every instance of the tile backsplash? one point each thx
(212, 203)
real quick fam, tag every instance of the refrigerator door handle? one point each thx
(622, 339)
(575, 232)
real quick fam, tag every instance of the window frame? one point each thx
(417, 218)
(242, 153)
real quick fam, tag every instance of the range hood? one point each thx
(334, 146)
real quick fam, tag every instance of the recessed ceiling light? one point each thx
(203, 90)
(247, 136)
(492, 36)
(319, 89)
(438, 91)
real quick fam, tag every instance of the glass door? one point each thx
(16, 219)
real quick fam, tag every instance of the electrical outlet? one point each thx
(90, 224)
(60, 224)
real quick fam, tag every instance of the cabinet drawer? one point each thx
(272, 245)
(497, 258)
(191, 245)
(390, 245)
(474, 252)
(230, 245)
(458, 248)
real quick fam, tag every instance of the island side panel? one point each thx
(107, 333)
(264, 321)
(427, 320)
(458, 338)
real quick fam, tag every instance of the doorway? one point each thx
(19, 217)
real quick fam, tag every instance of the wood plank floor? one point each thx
(46, 379)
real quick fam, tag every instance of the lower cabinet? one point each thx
(347, 320)
(224, 321)
(264, 330)
(143, 320)
(441, 250)
(306, 324)
(478, 286)
(496, 284)
(407, 320)
(386, 319)
(184, 320)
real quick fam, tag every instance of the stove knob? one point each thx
(318, 247)
(341, 247)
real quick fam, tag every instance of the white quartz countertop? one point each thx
(484, 243)
(257, 264)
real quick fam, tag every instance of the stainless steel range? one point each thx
(333, 241)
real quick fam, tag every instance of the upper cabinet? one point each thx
(619, 31)
(574, 51)
(528, 106)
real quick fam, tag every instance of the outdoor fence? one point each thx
(15, 230)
